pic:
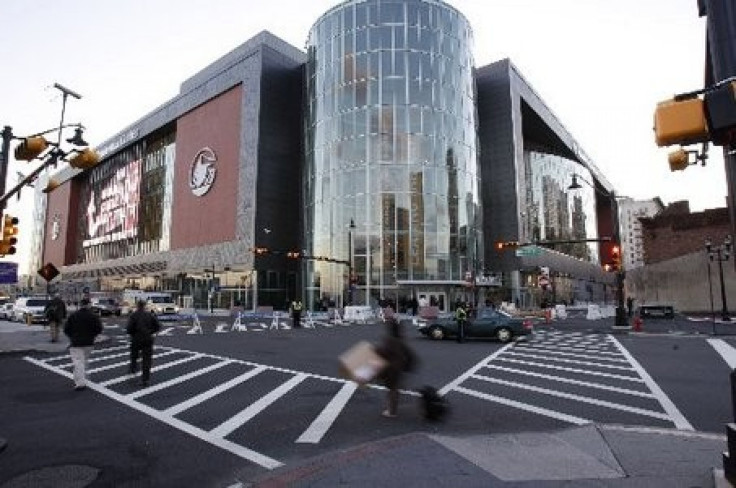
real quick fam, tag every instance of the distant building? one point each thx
(675, 232)
(632, 241)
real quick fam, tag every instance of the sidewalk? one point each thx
(590, 455)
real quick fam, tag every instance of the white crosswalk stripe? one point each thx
(168, 358)
(575, 369)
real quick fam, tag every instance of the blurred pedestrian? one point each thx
(296, 313)
(400, 359)
(82, 327)
(630, 306)
(461, 317)
(55, 313)
(142, 325)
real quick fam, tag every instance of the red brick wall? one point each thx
(210, 218)
(673, 236)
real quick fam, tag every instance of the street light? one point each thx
(351, 227)
(720, 253)
(621, 320)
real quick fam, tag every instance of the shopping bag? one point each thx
(361, 363)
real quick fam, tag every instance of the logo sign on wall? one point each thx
(202, 173)
(55, 227)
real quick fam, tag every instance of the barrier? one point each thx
(238, 324)
(309, 323)
(594, 312)
(196, 326)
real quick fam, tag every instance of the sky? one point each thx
(601, 66)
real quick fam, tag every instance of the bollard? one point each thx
(29, 319)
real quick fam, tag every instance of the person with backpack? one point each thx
(55, 313)
(400, 359)
(142, 325)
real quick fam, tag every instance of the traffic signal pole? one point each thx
(7, 136)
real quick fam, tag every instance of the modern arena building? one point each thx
(379, 165)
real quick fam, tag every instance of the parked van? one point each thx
(157, 302)
(30, 309)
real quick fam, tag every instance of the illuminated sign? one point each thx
(55, 227)
(202, 172)
(112, 212)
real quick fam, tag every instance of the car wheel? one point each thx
(504, 334)
(436, 333)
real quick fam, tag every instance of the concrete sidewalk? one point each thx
(585, 456)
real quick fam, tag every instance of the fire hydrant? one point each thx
(638, 322)
(547, 315)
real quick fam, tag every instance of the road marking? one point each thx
(176, 409)
(560, 379)
(327, 417)
(238, 450)
(727, 352)
(178, 379)
(256, 407)
(520, 347)
(523, 406)
(574, 370)
(456, 382)
(123, 363)
(577, 398)
(569, 361)
(675, 415)
(125, 377)
(547, 345)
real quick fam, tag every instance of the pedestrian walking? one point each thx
(630, 306)
(296, 313)
(399, 358)
(55, 313)
(142, 325)
(82, 327)
(461, 317)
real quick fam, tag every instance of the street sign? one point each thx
(8, 273)
(48, 272)
(528, 251)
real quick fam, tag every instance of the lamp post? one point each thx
(720, 253)
(620, 320)
(351, 227)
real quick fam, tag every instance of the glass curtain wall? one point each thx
(554, 213)
(391, 146)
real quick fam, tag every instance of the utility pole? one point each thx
(720, 65)
(7, 136)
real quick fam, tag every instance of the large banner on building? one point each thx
(112, 212)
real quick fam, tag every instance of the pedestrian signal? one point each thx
(680, 122)
(678, 160)
(85, 159)
(30, 148)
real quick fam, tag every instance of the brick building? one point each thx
(675, 232)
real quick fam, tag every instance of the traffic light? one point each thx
(720, 113)
(616, 257)
(678, 160)
(10, 231)
(259, 250)
(293, 254)
(30, 148)
(501, 245)
(85, 159)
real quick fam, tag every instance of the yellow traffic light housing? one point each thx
(51, 185)
(30, 148)
(10, 231)
(680, 122)
(85, 159)
(616, 257)
(678, 160)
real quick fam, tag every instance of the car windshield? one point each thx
(36, 303)
(159, 300)
(106, 301)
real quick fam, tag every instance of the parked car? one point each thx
(30, 308)
(104, 306)
(6, 311)
(161, 305)
(489, 323)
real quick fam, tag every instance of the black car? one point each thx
(105, 306)
(489, 323)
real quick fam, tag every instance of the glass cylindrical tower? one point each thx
(391, 146)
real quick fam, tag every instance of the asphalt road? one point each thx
(225, 407)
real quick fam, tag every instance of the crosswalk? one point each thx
(218, 376)
(573, 377)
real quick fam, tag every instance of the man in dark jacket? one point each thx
(55, 313)
(82, 327)
(142, 324)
